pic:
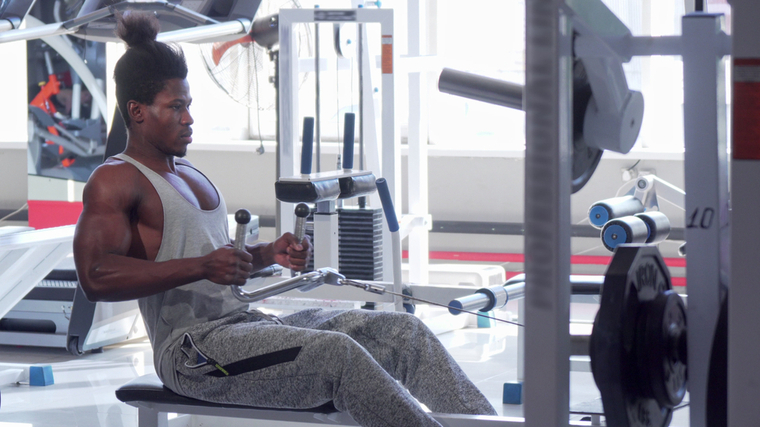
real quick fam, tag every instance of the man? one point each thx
(154, 229)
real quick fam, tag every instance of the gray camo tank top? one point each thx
(188, 232)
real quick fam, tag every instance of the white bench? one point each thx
(154, 402)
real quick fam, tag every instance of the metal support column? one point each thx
(744, 293)
(417, 140)
(326, 234)
(391, 144)
(288, 145)
(548, 95)
(706, 178)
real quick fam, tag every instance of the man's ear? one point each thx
(136, 111)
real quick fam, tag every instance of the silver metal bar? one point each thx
(275, 289)
(35, 33)
(580, 285)
(627, 47)
(317, 101)
(480, 88)
(304, 283)
(206, 33)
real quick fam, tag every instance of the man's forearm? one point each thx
(121, 278)
(263, 255)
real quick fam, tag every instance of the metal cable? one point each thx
(381, 290)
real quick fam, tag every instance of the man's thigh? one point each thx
(263, 364)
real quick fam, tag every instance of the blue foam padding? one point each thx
(598, 216)
(484, 322)
(41, 375)
(621, 236)
(385, 199)
(348, 141)
(308, 144)
(512, 393)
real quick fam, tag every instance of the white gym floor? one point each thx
(83, 393)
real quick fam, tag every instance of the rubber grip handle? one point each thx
(348, 140)
(308, 145)
(242, 217)
(385, 198)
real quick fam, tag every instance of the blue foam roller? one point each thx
(41, 375)
(308, 145)
(484, 322)
(348, 141)
(512, 393)
(628, 229)
(605, 210)
(385, 199)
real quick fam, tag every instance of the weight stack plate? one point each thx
(360, 248)
(636, 278)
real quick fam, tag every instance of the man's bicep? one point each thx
(104, 225)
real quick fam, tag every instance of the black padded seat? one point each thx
(307, 191)
(355, 186)
(149, 388)
(154, 402)
(325, 186)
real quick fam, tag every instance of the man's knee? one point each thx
(335, 347)
(399, 324)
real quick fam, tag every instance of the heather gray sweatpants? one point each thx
(352, 358)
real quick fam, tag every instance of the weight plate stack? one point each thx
(638, 344)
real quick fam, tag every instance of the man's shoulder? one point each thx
(114, 167)
(115, 176)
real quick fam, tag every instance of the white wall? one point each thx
(13, 127)
(474, 188)
(478, 189)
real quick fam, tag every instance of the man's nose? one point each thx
(187, 118)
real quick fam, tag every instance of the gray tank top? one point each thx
(188, 232)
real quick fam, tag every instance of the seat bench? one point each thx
(154, 402)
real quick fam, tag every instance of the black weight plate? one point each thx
(717, 379)
(636, 275)
(661, 349)
(585, 158)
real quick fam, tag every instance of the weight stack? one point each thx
(360, 243)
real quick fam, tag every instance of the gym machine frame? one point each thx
(383, 159)
(702, 45)
(744, 294)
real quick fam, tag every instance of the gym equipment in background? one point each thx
(616, 128)
(57, 314)
(635, 216)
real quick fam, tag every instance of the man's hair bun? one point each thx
(137, 29)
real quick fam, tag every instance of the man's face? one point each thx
(168, 120)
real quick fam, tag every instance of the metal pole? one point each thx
(317, 112)
(744, 294)
(706, 200)
(548, 102)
